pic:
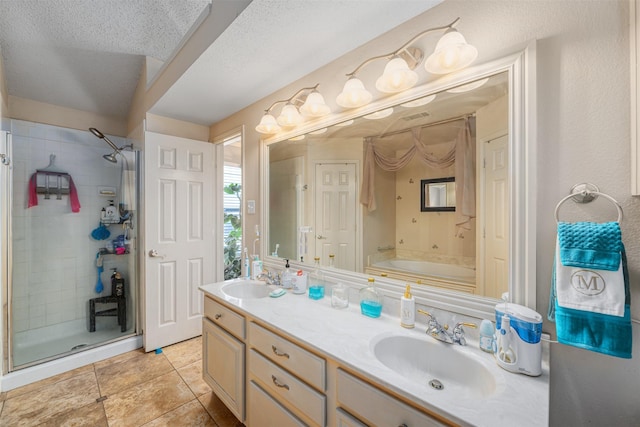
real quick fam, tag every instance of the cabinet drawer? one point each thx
(343, 419)
(297, 360)
(228, 319)
(264, 410)
(288, 388)
(376, 407)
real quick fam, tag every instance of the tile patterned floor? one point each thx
(132, 389)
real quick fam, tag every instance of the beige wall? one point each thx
(492, 120)
(40, 112)
(583, 135)
(168, 126)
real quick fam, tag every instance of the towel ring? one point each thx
(585, 193)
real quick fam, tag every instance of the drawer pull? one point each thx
(277, 353)
(217, 316)
(278, 383)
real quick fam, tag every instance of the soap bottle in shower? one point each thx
(370, 300)
(111, 212)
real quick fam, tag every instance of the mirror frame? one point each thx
(425, 206)
(521, 68)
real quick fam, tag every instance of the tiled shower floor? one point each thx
(132, 389)
(39, 344)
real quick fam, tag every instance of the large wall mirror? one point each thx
(351, 187)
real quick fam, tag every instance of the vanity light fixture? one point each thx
(268, 124)
(313, 106)
(289, 116)
(354, 94)
(452, 53)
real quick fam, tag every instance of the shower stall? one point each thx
(71, 243)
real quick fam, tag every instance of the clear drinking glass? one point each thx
(339, 296)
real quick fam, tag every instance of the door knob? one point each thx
(320, 237)
(154, 254)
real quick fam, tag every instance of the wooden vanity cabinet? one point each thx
(286, 384)
(223, 355)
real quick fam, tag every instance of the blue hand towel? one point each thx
(589, 330)
(590, 245)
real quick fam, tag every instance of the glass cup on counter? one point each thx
(340, 296)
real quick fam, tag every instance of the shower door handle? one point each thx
(154, 254)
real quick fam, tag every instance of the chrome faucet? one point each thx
(441, 332)
(269, 278)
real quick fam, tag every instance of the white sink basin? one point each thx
(423, 360)
(246, 289)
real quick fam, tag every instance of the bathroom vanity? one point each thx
(294, 362)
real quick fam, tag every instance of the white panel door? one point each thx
(335, 216)
(496, 221)
(179, 236)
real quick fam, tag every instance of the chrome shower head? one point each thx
(100, 135)
(96, 132)
(111, 157)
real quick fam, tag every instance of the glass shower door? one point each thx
(64, 249)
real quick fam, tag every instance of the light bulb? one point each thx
(289, 116)
(268, 125)
(396, 77)
(353, 94)
(314, 106)
(452, 53)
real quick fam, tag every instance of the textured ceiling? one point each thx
(88, 54)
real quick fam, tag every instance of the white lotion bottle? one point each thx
(407, 309)
(256, 267)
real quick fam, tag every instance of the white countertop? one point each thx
(347, 336)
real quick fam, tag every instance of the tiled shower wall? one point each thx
(54, 271)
